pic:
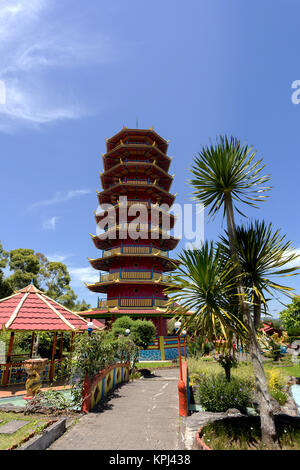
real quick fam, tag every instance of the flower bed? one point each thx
(243, 433)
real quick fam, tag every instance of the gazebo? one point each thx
(30, 310)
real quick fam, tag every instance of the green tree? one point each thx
(5, 286)
(142, 333)
(25, 266)
(225, 175)
(290, 317)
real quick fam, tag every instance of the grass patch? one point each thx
(36, 423)
(244, 434)
(154, 365)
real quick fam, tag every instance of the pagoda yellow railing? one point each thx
(136, 275)
(132, 302)
(135, 250)
(136, 228)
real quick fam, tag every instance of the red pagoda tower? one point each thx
(136, 267)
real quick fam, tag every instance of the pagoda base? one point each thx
(164, 348)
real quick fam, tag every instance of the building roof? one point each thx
(29, 309)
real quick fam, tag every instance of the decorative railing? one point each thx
(133, 274)
(135, 250)
(136, 227)
(134, 182)
(13, 373)
(107, 379)
(133, 302)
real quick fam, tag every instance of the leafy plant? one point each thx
(216, 394)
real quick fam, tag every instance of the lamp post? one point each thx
(182, 391)
(177, 326)
(90, 326)
(184, 335)
(127, 333)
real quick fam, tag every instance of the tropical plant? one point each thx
(225, 175)
(204, 284)
(227, 361)
(264, 254)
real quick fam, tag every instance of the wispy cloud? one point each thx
(59, 197)
(80, 275)
(30, 44)
(50, 224)
(59, 257)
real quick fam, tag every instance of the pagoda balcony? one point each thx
(135, 250)
(106, 243)
(122, 186)
(128, 277)
(136, 302)
(133, 202)
(132, 151)
(133, 274)
(122, 168)
(146, 228)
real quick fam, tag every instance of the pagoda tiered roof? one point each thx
(102, 242)
(148, 188)
(126, 168)
(138, 136)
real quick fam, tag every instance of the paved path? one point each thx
(141, 415)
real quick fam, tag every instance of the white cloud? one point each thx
(296, 261)
(33, 40)
(50, 224)
(81, 275)
(59, 257)
(60, 197)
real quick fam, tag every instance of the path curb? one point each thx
(44, 440)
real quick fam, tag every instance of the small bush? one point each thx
(279, 395)
(216, 394)
(275, 379)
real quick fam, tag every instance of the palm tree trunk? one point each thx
(268, 430)
(257, 311)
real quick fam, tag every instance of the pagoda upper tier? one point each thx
(135, 167)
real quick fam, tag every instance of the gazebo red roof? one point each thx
(29, 309)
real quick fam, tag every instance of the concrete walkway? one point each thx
(140, 415)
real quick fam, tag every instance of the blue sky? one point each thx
(76, 71)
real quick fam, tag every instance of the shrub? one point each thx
(275, 379)
(279, 395)
(216, 394)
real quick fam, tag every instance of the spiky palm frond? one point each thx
(204, 283)
(228, 167)
(264, 254)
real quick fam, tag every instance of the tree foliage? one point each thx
(290, 317)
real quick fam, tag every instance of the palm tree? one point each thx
(204, 283)
(264, 254)
(224, 175)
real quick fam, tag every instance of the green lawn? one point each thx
(35, 423)
(207, 364)
(153, 365)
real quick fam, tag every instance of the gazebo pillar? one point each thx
(61, 344)
(32, 344)
(53, 356)
(8, 358)
(72, 342)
